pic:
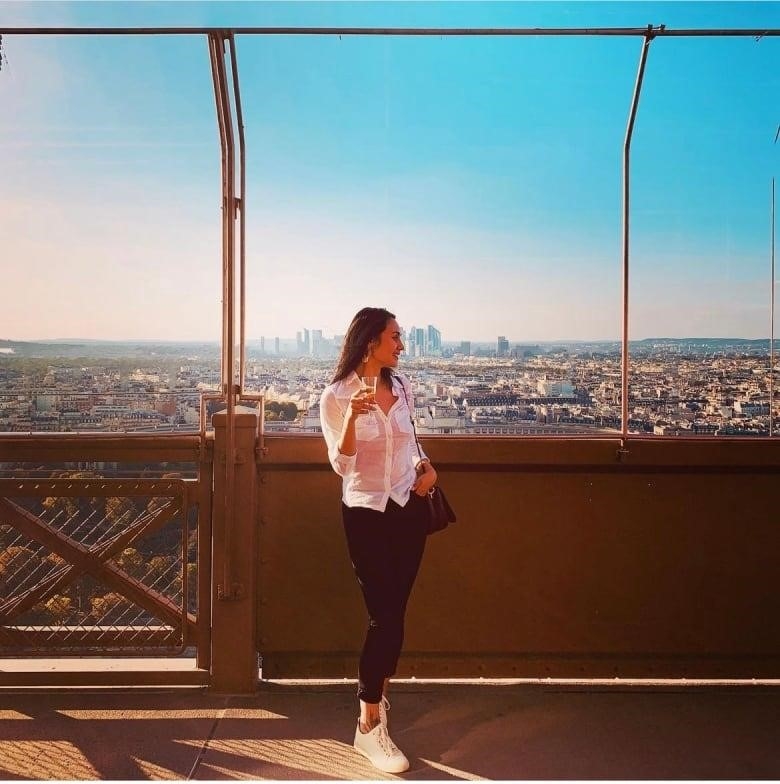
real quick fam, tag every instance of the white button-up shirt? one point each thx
(384, 463)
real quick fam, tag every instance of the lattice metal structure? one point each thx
(91, 565)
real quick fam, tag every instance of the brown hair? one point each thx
(366, 327)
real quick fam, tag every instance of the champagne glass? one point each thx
(368, 384)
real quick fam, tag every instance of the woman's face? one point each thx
(389, 345)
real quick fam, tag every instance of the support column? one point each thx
(234, 575)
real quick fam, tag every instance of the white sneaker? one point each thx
(384, 706)
(380, 750)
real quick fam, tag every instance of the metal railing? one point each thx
(105, 545)
(77, 566)
(94, 565)
(229, 115)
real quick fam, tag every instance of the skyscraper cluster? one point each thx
(311, 343)
(422, 342)
(419, 342)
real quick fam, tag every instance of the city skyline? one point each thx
(713, 390)
(477, 181)
(293, 346)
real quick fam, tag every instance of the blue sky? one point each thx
(470, 183)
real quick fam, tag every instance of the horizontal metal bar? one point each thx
(134, 678)
(568, 453)
(67, 447)
(532, 664)
(62, 637)
(556, 468)
(398, 31)
(93, 487)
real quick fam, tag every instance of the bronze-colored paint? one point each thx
(104, 677)
(131, 448)
(564, 561)
(233, 616)
(570, 558)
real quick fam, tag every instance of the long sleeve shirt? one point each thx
(384, 463)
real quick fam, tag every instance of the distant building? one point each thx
(276, 345)
(422, 344)
(465, 347)
(418, 342)
(547, 388)
(316, 343)
(433, 340)
(521, 352)
(502, 346)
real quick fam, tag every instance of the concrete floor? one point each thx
(448, 731)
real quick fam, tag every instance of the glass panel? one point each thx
(703, 159)
(472, 186)
(110, 219)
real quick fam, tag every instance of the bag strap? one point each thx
(411, 417)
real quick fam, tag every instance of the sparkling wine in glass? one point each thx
(368, 384)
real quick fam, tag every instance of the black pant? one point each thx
(386, 549)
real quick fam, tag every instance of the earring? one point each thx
(365, 358)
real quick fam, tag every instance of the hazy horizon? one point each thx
(449, 341)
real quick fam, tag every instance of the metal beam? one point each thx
(756, 32)
(649, 34)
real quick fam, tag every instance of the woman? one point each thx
(371, 445)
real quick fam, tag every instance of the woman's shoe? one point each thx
(384, 706)
(380, 750)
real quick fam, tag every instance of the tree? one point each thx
(19, 562)
(109, 608)
(54, 561)
(59, 608)
(286, 412)
(131, 561)
(120, 510)
(66, 504)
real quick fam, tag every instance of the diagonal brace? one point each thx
(102, 550)
(81, 557)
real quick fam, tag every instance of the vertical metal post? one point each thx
(241, 204)
(772, 320)
(626, 195)
(205, 501)
(214, 43)
(234, 623)
(227, 588)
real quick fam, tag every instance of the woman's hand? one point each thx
(426, 478)
(362, 402)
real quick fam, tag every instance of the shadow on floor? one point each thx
(447, 731)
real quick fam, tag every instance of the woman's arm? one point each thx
(426, 477)
(347, 443)
(338, 427)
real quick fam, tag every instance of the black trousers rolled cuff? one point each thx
(386, 549)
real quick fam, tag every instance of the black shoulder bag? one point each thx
(440, 513)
